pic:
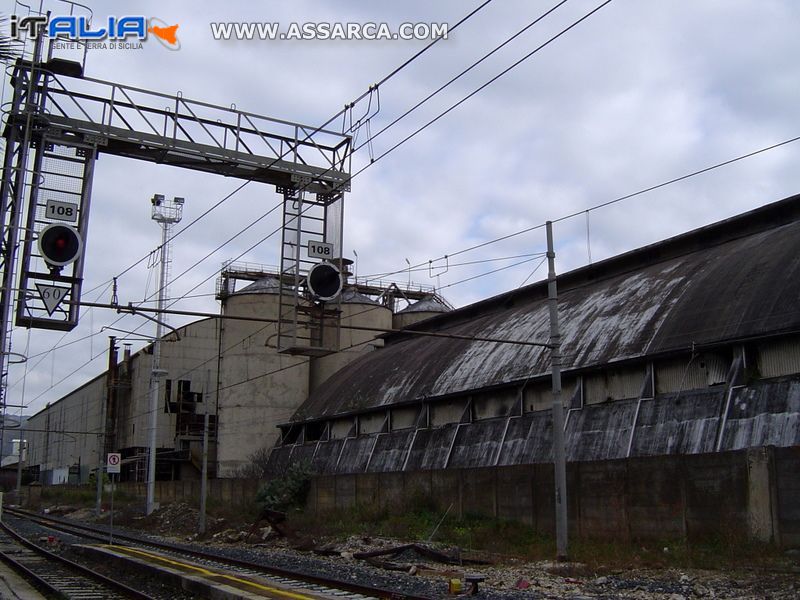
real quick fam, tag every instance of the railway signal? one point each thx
(324, 281)
(59, 245)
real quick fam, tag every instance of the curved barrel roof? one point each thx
(736, 279)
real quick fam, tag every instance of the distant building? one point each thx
(230, 368)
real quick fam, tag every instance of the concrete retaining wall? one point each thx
(753, 493)
(229, 492)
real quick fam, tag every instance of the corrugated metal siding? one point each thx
(613, 384)
(355, 454)
(443, 413)
(704, 371)
(767, 414)
(717, 367)
(600, 431)
(679, 424)
(764, 413)
(403, 418)
(539, 396)
(476, 444)
(529, 439)
(371, 423)
(340, 428)
(304, 453)
(326, 456)
(493, 404)
(390, 451)
(779, 358)
(431, 447)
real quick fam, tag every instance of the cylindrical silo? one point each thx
(427, 307)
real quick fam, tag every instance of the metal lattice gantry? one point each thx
(67, 120)
(174, 130)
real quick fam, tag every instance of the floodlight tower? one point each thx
(166, 213)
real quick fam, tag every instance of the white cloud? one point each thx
(640, 93)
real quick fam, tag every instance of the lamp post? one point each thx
(166, 213)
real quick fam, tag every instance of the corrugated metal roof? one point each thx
(736, 279)
(266, 285)
(427, 304)
(352, 296)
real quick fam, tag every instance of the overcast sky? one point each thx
(641, 92)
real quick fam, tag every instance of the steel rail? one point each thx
(99, 534)
(80, 569)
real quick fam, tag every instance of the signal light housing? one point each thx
(324, 281)
(60, 244)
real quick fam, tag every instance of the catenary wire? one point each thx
(308, 136)
(459, 76)
(479, 89)
(240, 187)
(597, 206)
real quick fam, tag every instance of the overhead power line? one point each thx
(341, 112)
(593, 208)
(479, 89)
(190, 313)
(460, 75)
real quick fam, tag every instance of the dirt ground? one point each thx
(530, 579)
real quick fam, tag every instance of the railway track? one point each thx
(307, 585)
(56, 576)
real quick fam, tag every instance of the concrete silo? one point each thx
(258, 387)
(430, 306)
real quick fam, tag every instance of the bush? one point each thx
(93, 479)
(256, 466)
(286, 492)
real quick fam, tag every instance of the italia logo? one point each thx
(79, 28)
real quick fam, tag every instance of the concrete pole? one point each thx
(156, 373)
(559, 451)
(101, 443)
(201, 525)
(21, 451)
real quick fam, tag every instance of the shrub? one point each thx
(288, 491)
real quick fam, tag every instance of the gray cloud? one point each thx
(639, 94)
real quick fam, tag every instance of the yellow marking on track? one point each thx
(156, 557)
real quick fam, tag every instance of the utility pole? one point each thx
(106, 411)
(21, 451)
(167, 213)
(201, 525)
(98, 503)
(559, 452)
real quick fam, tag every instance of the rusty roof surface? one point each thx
(736, 279)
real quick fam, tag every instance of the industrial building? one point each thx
(686, 346)
(229, 368)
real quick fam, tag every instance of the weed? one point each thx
(515, 539)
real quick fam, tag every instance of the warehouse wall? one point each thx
(64, 435)
(752, 493)
(764, 413)
(188, 359)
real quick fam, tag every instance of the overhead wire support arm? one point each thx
(133, 310)
(190, 313)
